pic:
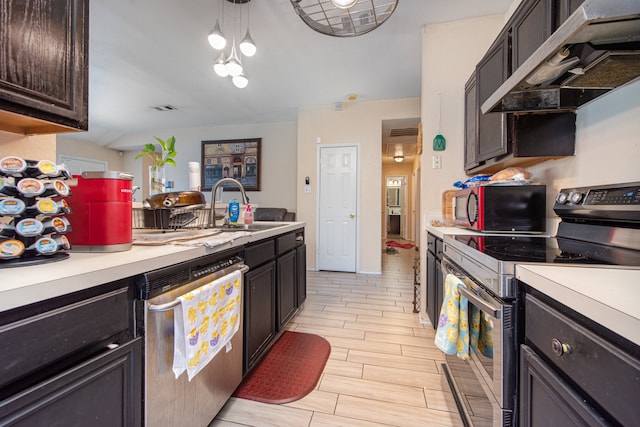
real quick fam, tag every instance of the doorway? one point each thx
(338, 208)
(396, 207)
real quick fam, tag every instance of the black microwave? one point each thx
(502, 208)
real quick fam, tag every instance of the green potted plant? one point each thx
(159, 161)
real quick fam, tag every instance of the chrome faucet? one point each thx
(212, 214)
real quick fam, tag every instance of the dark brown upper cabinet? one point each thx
(44, 47)
(565, 9)
(491, 72)
(494, 141)
(532, 25)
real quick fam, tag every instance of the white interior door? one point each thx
(337, 212)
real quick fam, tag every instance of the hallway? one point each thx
(384, 369)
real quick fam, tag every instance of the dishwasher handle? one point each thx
(171, 304)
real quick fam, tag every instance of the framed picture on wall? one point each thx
(231, 158)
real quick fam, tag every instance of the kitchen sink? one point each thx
(247, 227)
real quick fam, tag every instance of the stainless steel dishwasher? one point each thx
(170, 401)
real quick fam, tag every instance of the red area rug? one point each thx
(289, 371)
(399, 245)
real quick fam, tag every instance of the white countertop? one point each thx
(608, 296)
(24, 285)
(442, 231)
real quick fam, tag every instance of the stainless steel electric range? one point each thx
(599, 226)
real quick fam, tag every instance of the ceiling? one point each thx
(150, 53)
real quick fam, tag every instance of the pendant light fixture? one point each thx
(247, 45)
(240, 81)
(219, 66)
(231, 65)
(216, 38)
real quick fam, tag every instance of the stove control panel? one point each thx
(609, 202)
(623, 194)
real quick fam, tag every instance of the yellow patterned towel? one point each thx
(204, 322)
(452, 335)
(481, 332)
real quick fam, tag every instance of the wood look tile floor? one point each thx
(384, 369)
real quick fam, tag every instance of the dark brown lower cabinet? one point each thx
(301, 271)
(260, 312)
(435, 280)
(546, 400)
(286, 287)
(104, 391)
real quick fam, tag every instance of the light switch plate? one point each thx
(307, 189)
(436, 162)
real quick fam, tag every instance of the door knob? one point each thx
(352, 216)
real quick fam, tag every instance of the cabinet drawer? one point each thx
(285, 243)
(439, 248)
(431, 243)
(259, 253)
(103, 391)
(36, 342)
(610, 376)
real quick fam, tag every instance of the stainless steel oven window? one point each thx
(494, 368)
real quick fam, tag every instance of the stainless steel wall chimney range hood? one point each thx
(595, 50)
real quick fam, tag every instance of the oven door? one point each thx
(485, 385)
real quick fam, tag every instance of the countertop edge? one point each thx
(552, 281)
(21, 286)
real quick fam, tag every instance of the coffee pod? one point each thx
(56, 188)
(12, 207)
(30, 187)
(13, 166)
(29, 227)
(59, 225)
(42, 169)
(10, 249)
(50, 245)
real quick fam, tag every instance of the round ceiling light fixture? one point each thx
(344, 18)
(344, 4)
(398, 159)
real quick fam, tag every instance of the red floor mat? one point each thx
(289, 371)
(399, 245)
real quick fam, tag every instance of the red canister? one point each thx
(101, 212)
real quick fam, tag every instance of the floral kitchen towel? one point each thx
(481, 332)
(452, 335)
(204, 322)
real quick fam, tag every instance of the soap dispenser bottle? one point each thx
(248, 215)
(234, 212)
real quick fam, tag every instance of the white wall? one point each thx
(358, 123)
(278, 162)
(35, 147)
(84, 150)
(607, 146)
(450, 52)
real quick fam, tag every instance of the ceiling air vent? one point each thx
(403, 132)
(165, 108)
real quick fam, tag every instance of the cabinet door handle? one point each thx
(559, 348)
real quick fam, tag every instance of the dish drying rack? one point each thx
(173, 218)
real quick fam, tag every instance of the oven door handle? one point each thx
(449, 268)
(171, 304)
(480, 303)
